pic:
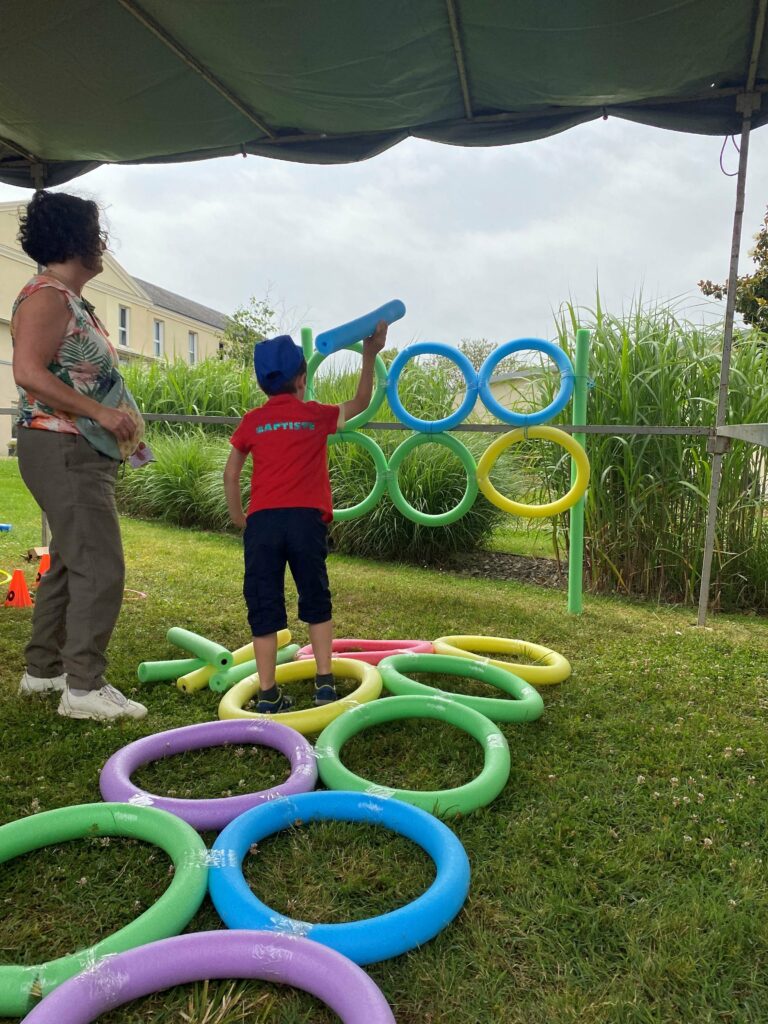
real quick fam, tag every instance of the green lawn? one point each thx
(518, 538)
(618, 878)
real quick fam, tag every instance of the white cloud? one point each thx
(477, 242)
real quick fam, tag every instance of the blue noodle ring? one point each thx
(364, 942)
(437, 348)
(519, 419)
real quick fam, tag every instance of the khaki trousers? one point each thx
(79, 598)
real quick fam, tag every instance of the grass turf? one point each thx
(618, 878)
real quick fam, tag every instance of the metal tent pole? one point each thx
(717, 446)
(37, 172)
(576, 538)
(747, 102)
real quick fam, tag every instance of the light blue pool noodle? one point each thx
(331, 341)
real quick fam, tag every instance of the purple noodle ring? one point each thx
(287, 959)
(215, 814)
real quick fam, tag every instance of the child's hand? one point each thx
(238, 520)
(376, 342)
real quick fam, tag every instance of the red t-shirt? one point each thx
(287, 440)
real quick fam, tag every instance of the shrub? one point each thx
(184, 486)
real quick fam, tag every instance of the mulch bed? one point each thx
(499, 565)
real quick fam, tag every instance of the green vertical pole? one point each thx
(576, 546)
(307, 342)
(308, 345)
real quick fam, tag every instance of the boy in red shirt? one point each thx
(290, 505)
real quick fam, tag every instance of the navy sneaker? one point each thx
(325, 694)
(273, 705)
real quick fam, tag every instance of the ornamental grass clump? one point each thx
(646, 507)
(184, 485)
(214, 387)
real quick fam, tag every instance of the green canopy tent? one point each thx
(102, 81)
(88, 82)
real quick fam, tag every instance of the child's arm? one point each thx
(371, 348)
(232, 471)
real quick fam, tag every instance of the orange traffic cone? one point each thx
(42, 569)
(18, 594)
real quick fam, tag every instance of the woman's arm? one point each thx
(39, 324)
(232, 471)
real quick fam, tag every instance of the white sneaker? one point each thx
(105, 704)
(33, 684)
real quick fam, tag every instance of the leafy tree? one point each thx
(751, 289)
(247, 325)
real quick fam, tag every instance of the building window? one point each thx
(158, 338)
(124, 325)
(192, 348)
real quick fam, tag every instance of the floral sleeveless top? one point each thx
(84, 359)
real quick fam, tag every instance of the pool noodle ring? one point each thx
(199, 680)
(371, 651)
(551, 667)
(308, 720)
(442, 802)
(201, 956)
(345, 436)
(19, 985)
(552, 508)
(425, 518)
(8, 577)
(346, 335)
(526, 705)
(518, 419)
(225, 680)
(379, 393)
(203, 815)
(368, 941)
(447, 422)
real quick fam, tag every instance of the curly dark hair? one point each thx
(56, 227)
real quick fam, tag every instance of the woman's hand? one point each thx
(116, 422)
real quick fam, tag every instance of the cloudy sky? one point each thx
(476, 242)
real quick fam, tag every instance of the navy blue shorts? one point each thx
(274, 538)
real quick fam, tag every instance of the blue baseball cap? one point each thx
(276, 361)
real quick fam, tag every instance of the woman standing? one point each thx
(62, 365)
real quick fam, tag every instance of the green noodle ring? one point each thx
(342, 515)
(526, 705)
(424, 518)
(441, 802)
(21, 986)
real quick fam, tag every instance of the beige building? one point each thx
(144, 321)
(518, 389)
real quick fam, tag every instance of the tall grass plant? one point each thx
(647, 504)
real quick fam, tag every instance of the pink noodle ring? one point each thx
(372, 651)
